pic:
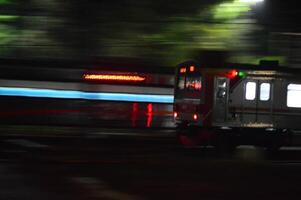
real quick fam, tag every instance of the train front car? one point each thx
(189, 95)
(192, 103)
(236, 104)
(200, 103)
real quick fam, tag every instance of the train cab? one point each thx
(189, 95)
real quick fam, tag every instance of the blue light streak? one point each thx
(73, 94)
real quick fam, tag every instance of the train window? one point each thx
(250, 90)
(265, 91)
(194, 83)
(294, 95)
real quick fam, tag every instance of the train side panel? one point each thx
(259, 102)
(287, 114)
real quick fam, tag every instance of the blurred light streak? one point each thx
(230, 10)
(129, 97)
(8, 17)
(34, 92)
(113, 77)
(251, 1)
(71, 94)
(135, 110)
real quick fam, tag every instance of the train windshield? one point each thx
(189, 84)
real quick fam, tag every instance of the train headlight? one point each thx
(195, 116)
(175, 114)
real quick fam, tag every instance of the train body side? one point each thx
(264, 99)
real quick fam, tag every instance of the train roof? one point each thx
(262, 66)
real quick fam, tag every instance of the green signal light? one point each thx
(242, 74)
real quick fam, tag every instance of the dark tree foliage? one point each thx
(167, 31)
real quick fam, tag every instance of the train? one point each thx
(237, 104)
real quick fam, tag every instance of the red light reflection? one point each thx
(134, 115)
(149, 114)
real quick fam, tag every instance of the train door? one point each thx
(264, 112)
(221, 95)
(258, 102)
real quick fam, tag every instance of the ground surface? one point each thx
(126, 164)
